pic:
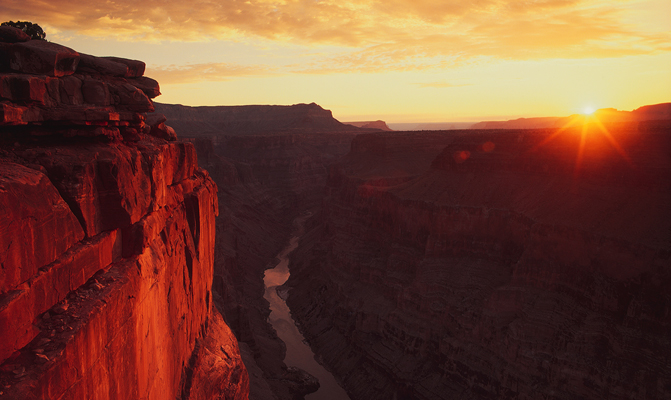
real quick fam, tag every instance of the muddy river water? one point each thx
(298, 353)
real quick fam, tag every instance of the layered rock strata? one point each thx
(518, 265)
(106, 239)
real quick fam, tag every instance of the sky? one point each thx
(395, 60)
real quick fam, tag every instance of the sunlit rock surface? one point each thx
(106, 239)
(512, 264)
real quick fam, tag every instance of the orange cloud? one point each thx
(376, 34)
(207, 72)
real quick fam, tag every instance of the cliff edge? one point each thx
(106, 238)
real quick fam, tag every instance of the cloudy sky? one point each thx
(397, 60)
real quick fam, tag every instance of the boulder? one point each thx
(149, 86)
(163, 131)
(9, 34)
(70, 90)
(89, 64)
(95, 92)
(135, 67)
(130, 98)
(39, 57)
(153, 119)
(21, 88)
(11, 114)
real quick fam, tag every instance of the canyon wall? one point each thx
(264, 182)
(503, 265)
(106, 239)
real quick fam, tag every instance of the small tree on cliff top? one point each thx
(33, 30)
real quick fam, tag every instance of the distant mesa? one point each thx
(607, 115)
(381, 125)
(250, 119)
(429, 126)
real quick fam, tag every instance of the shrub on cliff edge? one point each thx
(33, 30)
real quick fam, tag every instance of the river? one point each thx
(298, 353)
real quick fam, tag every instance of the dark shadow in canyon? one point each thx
(458, 264)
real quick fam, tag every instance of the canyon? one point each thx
(457, 264)
(265, 182)
(503, 264)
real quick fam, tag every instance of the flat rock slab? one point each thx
(39, 57)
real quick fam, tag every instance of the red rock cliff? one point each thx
(516, 265)
(106, 239)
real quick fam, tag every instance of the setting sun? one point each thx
(588, 110)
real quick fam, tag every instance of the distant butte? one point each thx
(381, 125)
(209, 121)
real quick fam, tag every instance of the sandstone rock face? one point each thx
(517, 265)
(106, 244)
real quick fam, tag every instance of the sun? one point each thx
(588, 110)
(586, 124)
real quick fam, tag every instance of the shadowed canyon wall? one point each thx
(494, 265)
(107, 239)
(264, 182)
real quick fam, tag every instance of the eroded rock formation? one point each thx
(510, 265)
(106, 239)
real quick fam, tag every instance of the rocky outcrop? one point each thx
(106, 239)
(516, 265)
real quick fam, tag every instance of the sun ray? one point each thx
(612, 141)
(581, 150)
(570, 124)
(589, 124)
